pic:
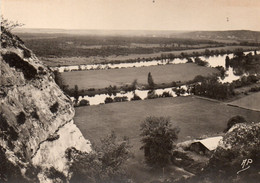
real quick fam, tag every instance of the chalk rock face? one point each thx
(36, 117)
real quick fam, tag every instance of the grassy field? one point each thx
(98, 59)
(249, 102)
(119, 77)
(195, 118)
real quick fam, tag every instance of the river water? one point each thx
(143, 94)
(213, 61)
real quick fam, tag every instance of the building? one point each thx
(205, 146)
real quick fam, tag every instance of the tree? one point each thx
(158, 137)
(9, 25)
(134, 84)
(76, 93)
(227, 60)
(150, 80)
(234, 120)
(105, 164)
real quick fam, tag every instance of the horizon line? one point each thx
(67, 29)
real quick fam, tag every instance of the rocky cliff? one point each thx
(36, 118)
(236, 159)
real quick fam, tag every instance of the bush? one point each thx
(54, 107)
(84, 102)
(179, 91)
(108, 100)
(234, 120)
(106, 164)
(200, 62)
(120, 99)
(136, 97)
(152, 95)
(158, 137)
(166, 94)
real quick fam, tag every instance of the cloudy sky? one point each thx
(135, 14)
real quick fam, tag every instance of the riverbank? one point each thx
(68, 61)
(99, 79)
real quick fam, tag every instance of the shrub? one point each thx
(106, 164)
(84, 102)
(166, 94)
(54, 107)
(108, 100)
(200, 62)
(21, 118)
(152, 95)
(136, 97)
(120, 99)
(234, 120)
(158, 137)
(150, 80)
(179, 91)
(189, 60)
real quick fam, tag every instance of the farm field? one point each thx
(99, 59)
(195, 118)
(161, 74)
(249, 102)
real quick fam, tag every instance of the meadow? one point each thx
(249, 102)
(119, 77)
(194, 116)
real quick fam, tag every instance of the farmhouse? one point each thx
(205, 146)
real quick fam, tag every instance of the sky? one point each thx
(135, 14)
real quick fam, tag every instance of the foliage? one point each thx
(120, 99)
(245, 81)
(9, 25)
(238, 145)
(108, 100)
(200, 62)
(76, 93)
(136, 97)
(212, 88)
(234, 120)
(60, 81)
(158, 137)
(166, 94)
(106, 164)
(151, 94)
(179, 91)
(150, 80)
(84, 102)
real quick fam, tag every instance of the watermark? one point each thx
(245, 165)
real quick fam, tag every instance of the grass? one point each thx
(249, 102)
(195, 117)
(119, 77)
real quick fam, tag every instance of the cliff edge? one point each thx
(36, 118)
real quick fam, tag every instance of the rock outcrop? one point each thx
(236, 159)
(36, 117)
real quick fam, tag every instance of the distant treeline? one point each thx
(70, 46)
